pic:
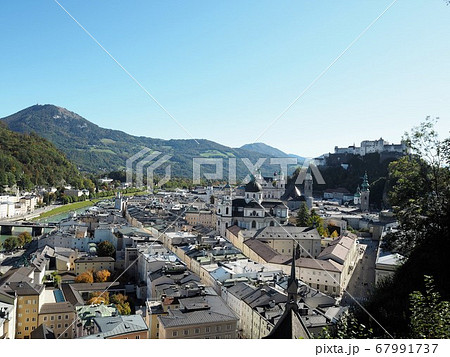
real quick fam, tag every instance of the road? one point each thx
(363, 278)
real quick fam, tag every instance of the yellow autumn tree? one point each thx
(102, 276)
(98, 297)
(86, 277)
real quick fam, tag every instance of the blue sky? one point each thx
(226, 69)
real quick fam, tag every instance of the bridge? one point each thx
(37, 229)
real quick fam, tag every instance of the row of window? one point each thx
(52, 317)
(186, 332)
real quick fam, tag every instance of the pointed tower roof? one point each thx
(290, 324)
(365, 184)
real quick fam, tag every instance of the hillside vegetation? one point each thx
(27, 160)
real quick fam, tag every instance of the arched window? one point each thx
(253, 224)
(227, 210)
(272, 224)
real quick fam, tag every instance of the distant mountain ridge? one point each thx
(96, 149)
(265, 149)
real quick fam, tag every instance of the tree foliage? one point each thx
(303, 216)
(99, 297)
(27, 160)
(430, 316)
(348, 326)
(419, 190)
(121, 303)
(102, 276)
(86, 277)
(10, 244)
(106, 249)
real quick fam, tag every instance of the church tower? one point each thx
(365, 193)
(308, 189)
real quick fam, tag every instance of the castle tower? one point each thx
(365, 193)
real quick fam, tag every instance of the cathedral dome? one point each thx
(253, 186)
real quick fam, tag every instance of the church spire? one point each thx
(365, 184)
(292, 288)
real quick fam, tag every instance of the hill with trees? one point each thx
(27, 160)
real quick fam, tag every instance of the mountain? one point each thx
(28, 160)
(95, 149)
(265, 149)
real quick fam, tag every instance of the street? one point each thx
(363, 278)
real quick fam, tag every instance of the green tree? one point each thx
(25, 238)
(121, 303)
(303, 215)
(106, 249)
(10, 244)
(315, 221)
(430, 316)
(419, 191)
(347, 327)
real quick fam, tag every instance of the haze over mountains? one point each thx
(96, 149)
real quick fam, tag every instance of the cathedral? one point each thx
(258, 208)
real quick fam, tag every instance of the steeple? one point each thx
(365, 184)
(292, 288)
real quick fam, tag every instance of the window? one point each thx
(137, 337)
(197, 330)
(207, 329)
(28, 319)
(59, 325)
(33, 327)
(28, 301)
(186, 332)
(218, 328)
(33, 319)
(175, 333)
(157, 325)
(66, 325)
(26, 328)
(19, 315)
(19, 324)
(34, 301)
(66, 317)
(27, 311)
(59, 317)
(228, 327)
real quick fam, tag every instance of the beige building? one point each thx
(199, 317)
(201, 217)
(29, 301)
(93, 263)
(333, 268)
(60, 317)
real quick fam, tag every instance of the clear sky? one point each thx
(226, 69)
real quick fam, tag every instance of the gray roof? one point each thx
(57, 307)
(194, 318)
(118, 325)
